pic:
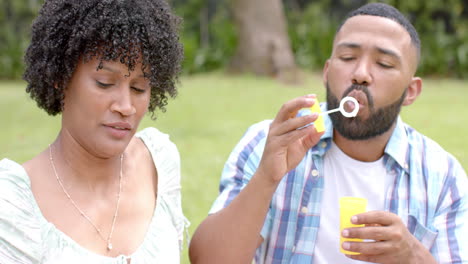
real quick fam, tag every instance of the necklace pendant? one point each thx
(109, 246)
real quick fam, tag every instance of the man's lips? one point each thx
(360, 96)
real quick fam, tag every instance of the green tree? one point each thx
(15, 22)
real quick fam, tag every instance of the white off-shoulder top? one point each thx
(27, 237)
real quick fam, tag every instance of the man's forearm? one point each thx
(233, 234)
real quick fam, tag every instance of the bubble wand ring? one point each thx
(319, 123)
(343, 110)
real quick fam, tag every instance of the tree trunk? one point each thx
(263, 46)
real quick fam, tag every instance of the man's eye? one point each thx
(385, 65)
(346, 58)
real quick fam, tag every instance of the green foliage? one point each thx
(443, 29)
(15, 21)
(209, 35)
(442, 25)
(12, 50)
(213, 48)
(311, 35)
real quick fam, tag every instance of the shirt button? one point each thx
(304, 210)
(406, 166)
(315, 173)
(324, 144)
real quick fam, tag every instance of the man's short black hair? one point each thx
(130, 31)
(390, 12)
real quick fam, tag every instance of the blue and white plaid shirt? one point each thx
(430, 194)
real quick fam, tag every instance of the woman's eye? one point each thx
(138, 90)
(103, 85)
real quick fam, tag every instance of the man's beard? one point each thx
(379, 121)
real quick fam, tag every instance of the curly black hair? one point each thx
(128, 31)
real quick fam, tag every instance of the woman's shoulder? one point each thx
(153, 135)
(165, 156)
(16, 197)
(13, 177)
(18, 226)
(159, 144)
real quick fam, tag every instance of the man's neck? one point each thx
(364, 150)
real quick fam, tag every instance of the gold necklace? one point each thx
(98, 230)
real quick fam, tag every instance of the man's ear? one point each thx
(325, 72)
(414, 90)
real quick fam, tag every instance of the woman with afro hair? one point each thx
(100, 192)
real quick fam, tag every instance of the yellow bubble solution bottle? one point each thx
(350, 206)
(319, 123)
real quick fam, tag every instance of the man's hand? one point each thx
(286, 144)
(393, 243)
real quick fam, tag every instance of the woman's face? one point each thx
(103, 107)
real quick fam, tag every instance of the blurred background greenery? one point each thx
(210, 35)
(215, 107)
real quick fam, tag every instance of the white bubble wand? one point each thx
(342, 109)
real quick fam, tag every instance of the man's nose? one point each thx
(362, 74)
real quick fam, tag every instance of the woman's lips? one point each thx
(118, 130)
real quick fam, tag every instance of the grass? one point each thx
(210, 115)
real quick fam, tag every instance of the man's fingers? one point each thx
(375, 218)
(377, 233)
(311, 139)
(369, 248)
(293, 124)
(290, 108)
(295, 134)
